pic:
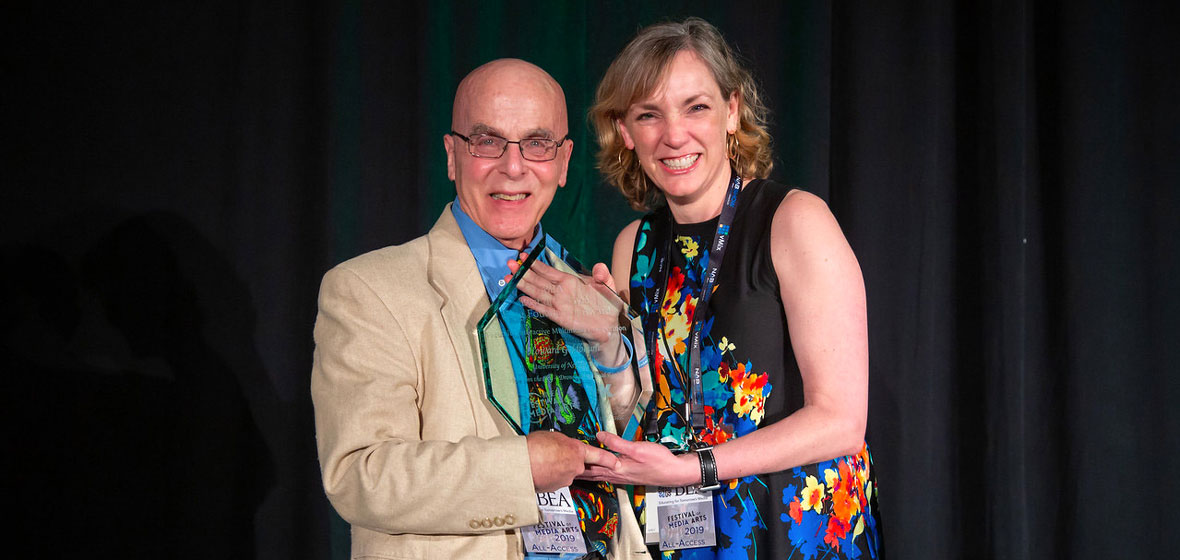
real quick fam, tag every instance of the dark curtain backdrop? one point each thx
(179, 177)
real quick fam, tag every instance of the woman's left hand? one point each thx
(642, 462)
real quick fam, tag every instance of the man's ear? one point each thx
(565, 162)
(449, 145)
(626, 135)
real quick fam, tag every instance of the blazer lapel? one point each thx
(453, 274)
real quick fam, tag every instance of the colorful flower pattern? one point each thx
(833, 518)
(825, 509)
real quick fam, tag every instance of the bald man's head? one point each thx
(504, 81)
(513, 100)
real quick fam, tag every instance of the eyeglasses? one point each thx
(492, 146)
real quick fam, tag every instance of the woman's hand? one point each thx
(642, 462)
(584, 306)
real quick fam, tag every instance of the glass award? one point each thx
(584, 369)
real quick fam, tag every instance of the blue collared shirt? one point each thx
(491, 256)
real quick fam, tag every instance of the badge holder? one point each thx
(559, 531)
(684, 518)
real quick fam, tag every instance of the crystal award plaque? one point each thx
(584, 369)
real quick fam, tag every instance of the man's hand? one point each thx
(556, 459)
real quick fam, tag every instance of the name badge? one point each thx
(559, 530)
(683, 517)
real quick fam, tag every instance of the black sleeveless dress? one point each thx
(750, 379)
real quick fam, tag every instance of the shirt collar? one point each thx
(491, 256)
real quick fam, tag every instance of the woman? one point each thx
(782, 393)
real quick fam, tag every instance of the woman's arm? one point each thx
(824, 301)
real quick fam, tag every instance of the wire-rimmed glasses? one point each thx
(492, 146)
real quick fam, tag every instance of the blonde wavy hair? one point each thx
(639, 69)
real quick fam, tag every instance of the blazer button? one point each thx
(510, 519)
(474, 523)
(487, 523)
(499, 521)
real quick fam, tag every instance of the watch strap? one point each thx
(709, 479)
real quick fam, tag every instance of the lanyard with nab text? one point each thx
(695, 402)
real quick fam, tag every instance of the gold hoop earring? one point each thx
(733, 150)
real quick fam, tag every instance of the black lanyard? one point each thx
(696, 405)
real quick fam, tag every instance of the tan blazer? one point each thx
(412, 453)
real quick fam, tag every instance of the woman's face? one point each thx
(679, 131)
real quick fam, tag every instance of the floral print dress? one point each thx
(750, 379)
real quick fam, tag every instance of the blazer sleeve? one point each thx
(377, 470)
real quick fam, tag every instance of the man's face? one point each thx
(507, 196)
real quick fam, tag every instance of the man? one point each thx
(413, 454)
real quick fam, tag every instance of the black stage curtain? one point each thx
(180, 176)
